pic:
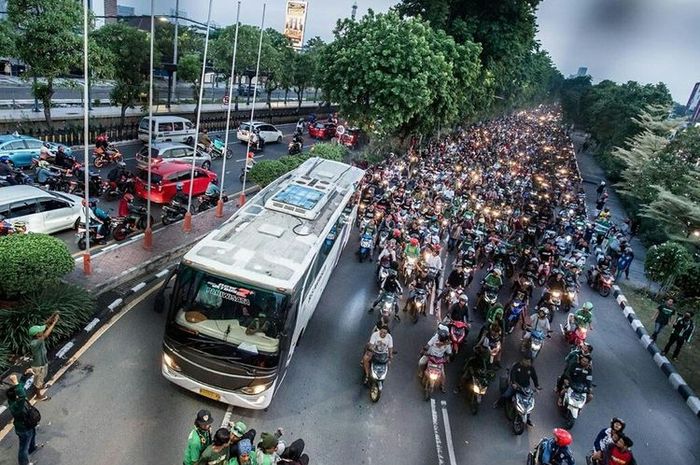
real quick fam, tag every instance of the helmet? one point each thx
(178, 186)
(497, 271)
(443, 333)
(471, 250)
(437, 248)
(397, 233)
(617, 420)
(562, 437)
(587, 306)
(414, 242)
(463, 298)
(544, 310)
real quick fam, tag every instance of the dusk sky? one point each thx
(643, 40)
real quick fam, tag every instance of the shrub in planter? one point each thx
(266, 171)
(73, 303)
(329, 151)
(30, 261)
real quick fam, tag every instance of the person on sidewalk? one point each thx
(682, 332)
(624, 263)
(663, 315)
(600, 189)
(199, 438)
(25, 428)
(40, 361)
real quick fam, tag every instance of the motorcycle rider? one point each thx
(616, 453)
(387, 257)
(439, 346)
(213, 190)
(583, 317)
(412, 249)
(379, 341)
(204, 140)
(389, 286)
(602, 266)
(490, 343)
(606, 435)
(555, 450)
(459, 311)
(520, 375)
(580, 374)
(494, 279)
(299, 127)
(101, 217)
(7, 172)
(63, 160)
(434, 261)
(454, 280)
(537, 322)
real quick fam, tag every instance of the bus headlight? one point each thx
(171, 363)
(254, 390)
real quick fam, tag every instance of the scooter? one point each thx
(378, 369)
(294, 148)
(365, 247)
(458, 333)
(477, 390)
(82, 234)
(573, 334)
(103, 158)
(217, 149)
(519, 408)
(416, 304)
(205, 202)
(535, 344)
(433, 375)
(172, 212)
(513, 314)
(573, 400)
(136, 220)
(409, 265)
(382, 273)
(603, 282)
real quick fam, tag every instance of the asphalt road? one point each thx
(114, 407)
(231, 181)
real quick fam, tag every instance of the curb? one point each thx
(678, 383)
(70, 348)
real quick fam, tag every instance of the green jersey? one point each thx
(583, 317)
(197, 441)
(39, 358)
(210, 456)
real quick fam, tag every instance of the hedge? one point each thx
(30, 261)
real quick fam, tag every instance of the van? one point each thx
(168, 129)
(42, 211)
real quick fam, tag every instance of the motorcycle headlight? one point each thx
(556, 294)
(476, 389)
(418, 303)
(433, 376)
(535, 345)
(572, 295)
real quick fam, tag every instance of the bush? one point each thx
(329, 151)
(73, 303)
(30, 261)
(266, 171)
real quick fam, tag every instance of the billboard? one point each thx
(295, 22)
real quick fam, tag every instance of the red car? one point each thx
(322, 131)
(350, 138)
(164, 179)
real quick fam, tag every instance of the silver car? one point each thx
(42, 211)
(172, 151)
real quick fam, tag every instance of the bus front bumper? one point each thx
(237, 399)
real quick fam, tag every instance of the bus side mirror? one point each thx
(159, 302)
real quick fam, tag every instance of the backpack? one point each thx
(32, 416)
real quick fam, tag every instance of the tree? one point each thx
(131, 54)
(572, 92)
(47, 41)
(666, 262)
(7, 39)
(386, 72)
(303, 72)
(189, 69)
(190, 40)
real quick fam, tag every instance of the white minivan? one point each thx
(168, 129)
(41, 210)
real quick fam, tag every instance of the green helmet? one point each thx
(588, 306)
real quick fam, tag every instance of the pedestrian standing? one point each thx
(663, 315)
(682, 332)
(40, 361)
(624, 263)
(199, 438)
(217, 453)
(25, 417)
(600, 189)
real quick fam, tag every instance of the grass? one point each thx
(688, 363)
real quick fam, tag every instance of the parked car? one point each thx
(41, 210)
(168, 129)
(164, 179)
(350, 138)
(21, 149)
(172, 151)
(322, 130)
(268, 132)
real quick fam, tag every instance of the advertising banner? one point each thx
(295, 22)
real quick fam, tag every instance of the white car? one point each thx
(172, 151)
(268, 132)
(42, 211)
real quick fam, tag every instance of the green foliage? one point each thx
(386, 72)
(266, 171)
(190, 40)
(329, 151)
(572, 91)
(73, 303)
(189, 69)
(7, 40)
(30, 261)
(665, 262)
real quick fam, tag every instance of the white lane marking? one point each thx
(90, 326)
(64, 350)
(162, 273)
(448, 433)
(227, 417)
(138, 287)
(114, 304)
(436, 430)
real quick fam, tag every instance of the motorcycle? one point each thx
(520, 406)
(573, 334)
(377, 374)
(570, 296)
(458, 333)
(103, 158)
(136, 220)
(409, 264)
(533, 347)
(217, 149)
(433, 375)
(478, 387)
(206, 202)
(603, 283)
(572, 401)
(294, 148)
(174, 211)
(416, 304)
(365, 247)
(553, 303)
(514, 312)
(92, 231)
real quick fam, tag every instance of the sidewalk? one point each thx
(126, 261)
(71, 113)
(592, 174)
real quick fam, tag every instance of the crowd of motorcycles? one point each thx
(501, 198)
(57, 171)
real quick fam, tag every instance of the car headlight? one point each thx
(171, 363)
(254, 390)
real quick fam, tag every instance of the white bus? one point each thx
(244, 294)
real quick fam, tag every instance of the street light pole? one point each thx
(177, 21)
(148, 233)
(220, 203)
(252, 108)
(87, 269)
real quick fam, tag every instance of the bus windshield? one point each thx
(240, 314)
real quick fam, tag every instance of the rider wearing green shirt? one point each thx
(584, 316)
(412, 249)
(199, 438)
(493, 279)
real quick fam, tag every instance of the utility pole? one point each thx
(177, 21)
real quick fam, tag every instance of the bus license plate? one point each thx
(209, 394)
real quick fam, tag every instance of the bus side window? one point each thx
(160, 304)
